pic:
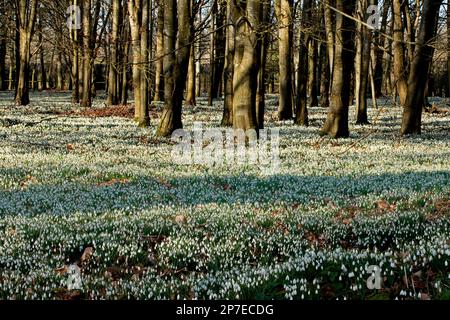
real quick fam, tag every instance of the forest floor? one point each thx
(92, 207)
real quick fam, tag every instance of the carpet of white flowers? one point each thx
(106, 196)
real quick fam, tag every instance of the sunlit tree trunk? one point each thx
(247, 17)
(227, 119)
(400, 81)
(113, 81)
(26, 18)
(336, 124)
(86, 100)
(414, 104)
(190, 89)
(175, 63)
(283, 9)
(159, 76)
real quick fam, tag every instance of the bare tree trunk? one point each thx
(135, 25)
(26, 18)
(363, 45)
(324, 78)
(126, 52)
(312, 70)
(113, 82)
(448, 50)
(159, 76)
(190, 90)
(245, 62)
(329, 22)
(378, 53)
(42, 75)
(75, 61)
(59, 72)
(336, 124)
(412, 113)
(175, 64)
(219, 43)
(399, 52)
(283, 9)
(3, 50)
(261, 89)
(144, 119)
(86, 100)
(301, 115)
(227, 119)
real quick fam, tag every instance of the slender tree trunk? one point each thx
(324, 78)
(283, 9)
(378, 53)
(219, 43)
(190, 90)
(301, 115)
(448, 51)
(399, 52)
(3, 50)
(312, 70)
(86, 100)
(336, 124)
(227, 119)
(126, 53)
(144, 119)
(329, 22)
(364, 39)
(159, 76)
(133, 9)
(113, 88)
(261, 90)
(42, 80)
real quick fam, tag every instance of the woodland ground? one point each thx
(103, 194)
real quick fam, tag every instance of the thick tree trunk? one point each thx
(336, 124)
(245, 62)
(283, 9)
(26, 18)
(175, 64)
(423, 54)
